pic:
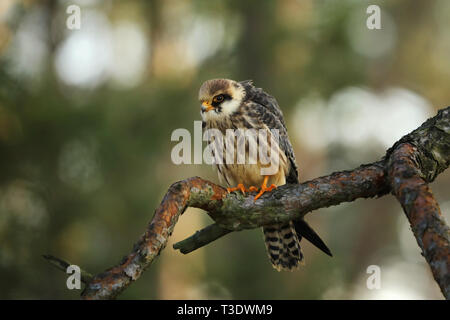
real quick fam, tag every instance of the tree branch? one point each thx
(286, 203)
(201, 238)
(62, 265)
(423, 213)
(411, 163)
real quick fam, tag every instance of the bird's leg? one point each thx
(264, 188)
(240, 187)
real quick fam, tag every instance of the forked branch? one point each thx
(405, 171)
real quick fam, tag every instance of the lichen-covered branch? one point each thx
(286, 203)
(413, 161)
(429, 155)
(109, 284)
(423, 213)
(233, 212)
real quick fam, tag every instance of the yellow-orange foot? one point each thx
(264, 188)
(240, 187)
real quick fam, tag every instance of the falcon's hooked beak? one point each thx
(206, 107)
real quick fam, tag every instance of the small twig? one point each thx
(62, 265)
(201, 238)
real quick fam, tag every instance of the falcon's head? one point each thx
(220, 98)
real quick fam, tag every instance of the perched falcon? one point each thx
(227, 104)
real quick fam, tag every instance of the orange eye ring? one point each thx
(219, 98)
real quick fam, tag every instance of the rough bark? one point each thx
(407, 167)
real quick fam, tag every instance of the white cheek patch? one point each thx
(228, 108)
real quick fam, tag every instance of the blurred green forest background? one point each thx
(86, 118)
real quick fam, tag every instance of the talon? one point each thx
(239, 187)
(264, 188)
(252, 188)
(260, 193)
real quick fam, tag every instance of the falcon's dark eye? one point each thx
(219, 98)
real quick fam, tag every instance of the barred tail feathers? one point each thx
(283, 246)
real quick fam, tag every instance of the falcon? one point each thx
(228, 104)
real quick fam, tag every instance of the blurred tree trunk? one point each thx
(256, 45)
